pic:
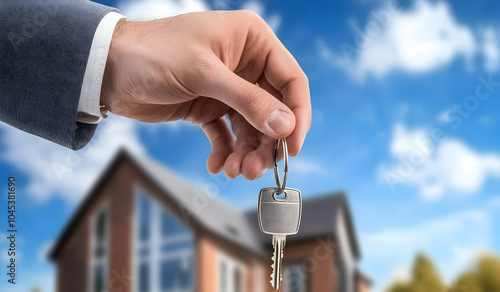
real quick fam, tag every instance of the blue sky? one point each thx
(374, 115)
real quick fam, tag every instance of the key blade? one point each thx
(276, 275)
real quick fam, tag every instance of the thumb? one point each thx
(261, 109)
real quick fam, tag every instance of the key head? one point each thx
(279, 216)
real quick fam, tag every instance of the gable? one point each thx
(198, 209)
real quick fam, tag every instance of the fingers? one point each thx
(217, 131)
(247, 140)
(252, 154)
(284, 73)
(256, 163)
(252, 163)
(261, 109)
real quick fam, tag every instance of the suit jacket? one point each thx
(44, 47)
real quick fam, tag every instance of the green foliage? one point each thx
(466, 282)
(483, 277)
(400, 287)
(425, 278)
(35, 289)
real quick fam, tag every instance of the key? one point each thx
(279, 217)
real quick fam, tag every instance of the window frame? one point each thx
(300, 265)
(93, 262)
(232, 265)
(156, 241)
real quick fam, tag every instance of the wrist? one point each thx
(108, 80)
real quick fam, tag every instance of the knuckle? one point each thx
(253, 18)
(304, 77)
(250, 14)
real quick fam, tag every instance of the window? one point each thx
(237, 280)
(176, 274)
(144, 218)
(163, 248)
(223, 277)
(99, 251)
(294, 278)
(230, 275)
(144, 277)
(98, 278)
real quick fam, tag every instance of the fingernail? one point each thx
(279, 121)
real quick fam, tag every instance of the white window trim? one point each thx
(92, 261)
(155, 255)
(231, 264)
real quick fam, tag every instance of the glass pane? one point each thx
(144, 218)
(222, 277)
(169, 270)
(98, 278)
(186, 273)
(144, 251)
(295, 278)
(99, 251)
(170, 225)
(176, 274)
(100, 227)
(144, 277)
(237, 280)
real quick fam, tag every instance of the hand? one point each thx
(201, 67)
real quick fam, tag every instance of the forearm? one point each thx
(44, 49)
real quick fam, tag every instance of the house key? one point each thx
(279, 216)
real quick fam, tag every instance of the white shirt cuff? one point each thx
(89, 104)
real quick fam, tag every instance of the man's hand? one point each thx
(200, 67)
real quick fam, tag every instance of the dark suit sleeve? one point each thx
(44, 47)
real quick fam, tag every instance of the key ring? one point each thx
(281, 186)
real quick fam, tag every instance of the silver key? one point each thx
(279, 217)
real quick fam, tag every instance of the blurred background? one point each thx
(405, 98)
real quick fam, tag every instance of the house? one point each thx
(142, 229)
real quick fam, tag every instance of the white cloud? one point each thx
(419, 40)
(436, 166)
(273, 20)
(445, 116)
(55, 170)
(453, 242)
(490, 49)
(153, 9)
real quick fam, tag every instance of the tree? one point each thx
(36, 289)
(483, 277)
(425, 277)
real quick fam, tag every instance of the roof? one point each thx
(319, 215)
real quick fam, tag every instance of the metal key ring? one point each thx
(281, 186)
